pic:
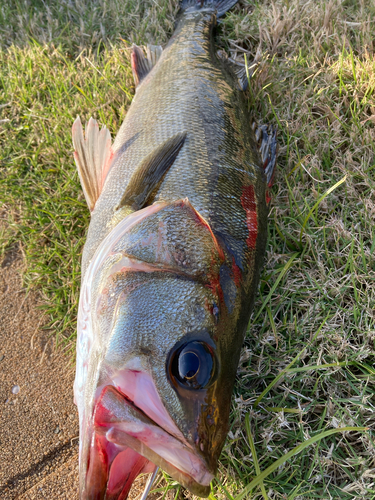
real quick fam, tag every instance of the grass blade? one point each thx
(279, 278)
(324, 195)
(260, 478)
(320, 367)
(254, 453)
(286, 370)
(226, 492)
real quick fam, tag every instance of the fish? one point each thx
(179, 204)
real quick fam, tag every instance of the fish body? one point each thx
(171, 264)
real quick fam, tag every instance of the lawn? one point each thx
(307, 366)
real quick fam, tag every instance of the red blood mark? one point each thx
(138, 467)
(268, 196)
(249, 204)
(103, 415)
(215, 286)
(110, 470)
(202, 221)
(270, 184)
(110, 401)
(126, 466)
(97, 473)
(236, 272)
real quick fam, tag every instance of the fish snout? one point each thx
(132, 433)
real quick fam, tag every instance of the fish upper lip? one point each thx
(138, 387)
(141, 426)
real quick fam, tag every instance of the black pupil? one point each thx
(188, 365)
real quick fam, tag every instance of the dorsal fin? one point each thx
(151, 172)
(141, 64)
(238, 69)
(243, 75)
(93, 156)
(266, 136)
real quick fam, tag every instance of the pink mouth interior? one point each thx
(112, 472)
(111, 469)
(126, 442)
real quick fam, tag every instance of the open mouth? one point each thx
(126, 442)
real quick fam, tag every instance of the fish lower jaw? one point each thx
(125, 443)
(182, 465)
(168, 453)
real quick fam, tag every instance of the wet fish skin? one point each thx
(190, 90)
(212, 232)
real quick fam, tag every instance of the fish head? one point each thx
(154, 385)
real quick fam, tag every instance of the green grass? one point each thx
(307, 366)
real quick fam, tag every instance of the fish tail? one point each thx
(221, 6)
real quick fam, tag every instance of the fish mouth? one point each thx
(125, 442)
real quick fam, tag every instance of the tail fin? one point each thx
(221, 6)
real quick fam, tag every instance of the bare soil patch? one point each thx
(38, 420)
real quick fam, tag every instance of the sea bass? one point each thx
(171, 264)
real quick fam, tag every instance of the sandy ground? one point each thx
(39, 424)
(38, 420)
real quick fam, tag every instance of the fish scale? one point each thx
(191, 96)
(171, 263)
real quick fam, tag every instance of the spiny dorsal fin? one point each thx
(242, 75)
(93, 156)
(239, 69)
(150, 172)
(141, 64)
(266, 136)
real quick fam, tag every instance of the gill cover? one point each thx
(149, 306)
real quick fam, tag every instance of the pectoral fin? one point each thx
(150, 173)
(93, 156)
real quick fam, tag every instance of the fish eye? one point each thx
(193, 365)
